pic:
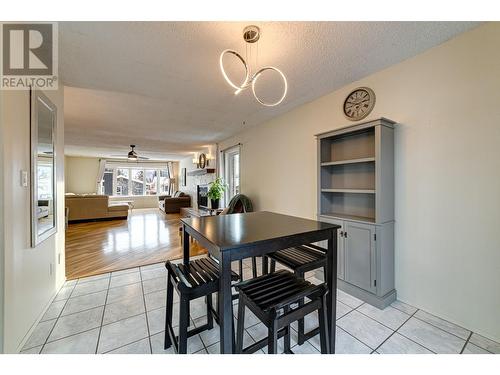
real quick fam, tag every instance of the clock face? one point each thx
(359, 103)
(202, 161)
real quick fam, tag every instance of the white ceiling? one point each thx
(158, 84)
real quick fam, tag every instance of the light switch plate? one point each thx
(24, 178)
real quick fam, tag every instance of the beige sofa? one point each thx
(92, 207)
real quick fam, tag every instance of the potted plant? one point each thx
(216, 191)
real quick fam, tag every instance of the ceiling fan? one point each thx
(132, 155)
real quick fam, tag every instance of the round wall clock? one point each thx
(359, 103)
(202, 161)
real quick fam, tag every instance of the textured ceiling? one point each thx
(158, 84)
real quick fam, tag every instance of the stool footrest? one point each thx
(262, 343)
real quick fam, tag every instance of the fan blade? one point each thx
(143, 158)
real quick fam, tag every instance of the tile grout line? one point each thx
(396, 331)
(466, 342)
(202, 342)
(146, 312)
(461, 338)
(122, 346)
(354, 337)
(413, 313)
(416, 317)
(411, 316)
(73, 334)
(386, 326)
(57, 319)
(102, 318)
(90, 329)
(406, 337)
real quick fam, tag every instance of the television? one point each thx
(201, 195)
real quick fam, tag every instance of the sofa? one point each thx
(94, 207)
(172, 204)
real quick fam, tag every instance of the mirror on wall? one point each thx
(43, 168)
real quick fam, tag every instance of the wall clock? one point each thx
(359, 103)
(202, 161)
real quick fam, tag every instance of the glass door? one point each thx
(231, 170)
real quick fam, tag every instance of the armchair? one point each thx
(172, 204)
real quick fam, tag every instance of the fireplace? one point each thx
(201, 195)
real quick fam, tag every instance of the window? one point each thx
(122, 181)
(231, 168)
(151, 181)
(164, 182)
(44, 181)
(135, 181)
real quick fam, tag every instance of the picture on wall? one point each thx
(183, 177)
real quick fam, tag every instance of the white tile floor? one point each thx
(124, 312)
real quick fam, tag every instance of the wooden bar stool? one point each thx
(270, 298)
(197, 279)
(300, 260)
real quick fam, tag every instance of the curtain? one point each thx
(171, 178)
(100, 175)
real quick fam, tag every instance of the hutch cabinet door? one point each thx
(340, 246)
(359, 250)
(340, 249)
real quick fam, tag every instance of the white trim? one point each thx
(233, 150)
(136, 164)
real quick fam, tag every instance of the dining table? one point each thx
(229, 238)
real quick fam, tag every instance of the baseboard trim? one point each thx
(372, 299)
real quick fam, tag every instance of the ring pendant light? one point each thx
(251, 34)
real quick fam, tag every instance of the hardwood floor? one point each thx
(148, 236)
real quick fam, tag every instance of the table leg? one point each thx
(185, 260)
(265, 262)
(225, 305)
(185, 244)
(331, 279)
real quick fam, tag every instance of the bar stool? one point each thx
(300, 260)
(197, 279)
(270, 298)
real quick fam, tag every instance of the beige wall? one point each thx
(81, 174)
(28, 284)
(446, 102)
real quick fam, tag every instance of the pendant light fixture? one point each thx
(251, 34)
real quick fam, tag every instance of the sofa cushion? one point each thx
(118, 207)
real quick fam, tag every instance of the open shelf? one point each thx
(348, 161)
(350, 177)
(356, 172)
(348, 203)
(352, 146)
(336, 215)
(351, 191)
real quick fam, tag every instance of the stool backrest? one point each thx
(239, 204)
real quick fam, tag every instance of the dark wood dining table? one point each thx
(233, 237)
